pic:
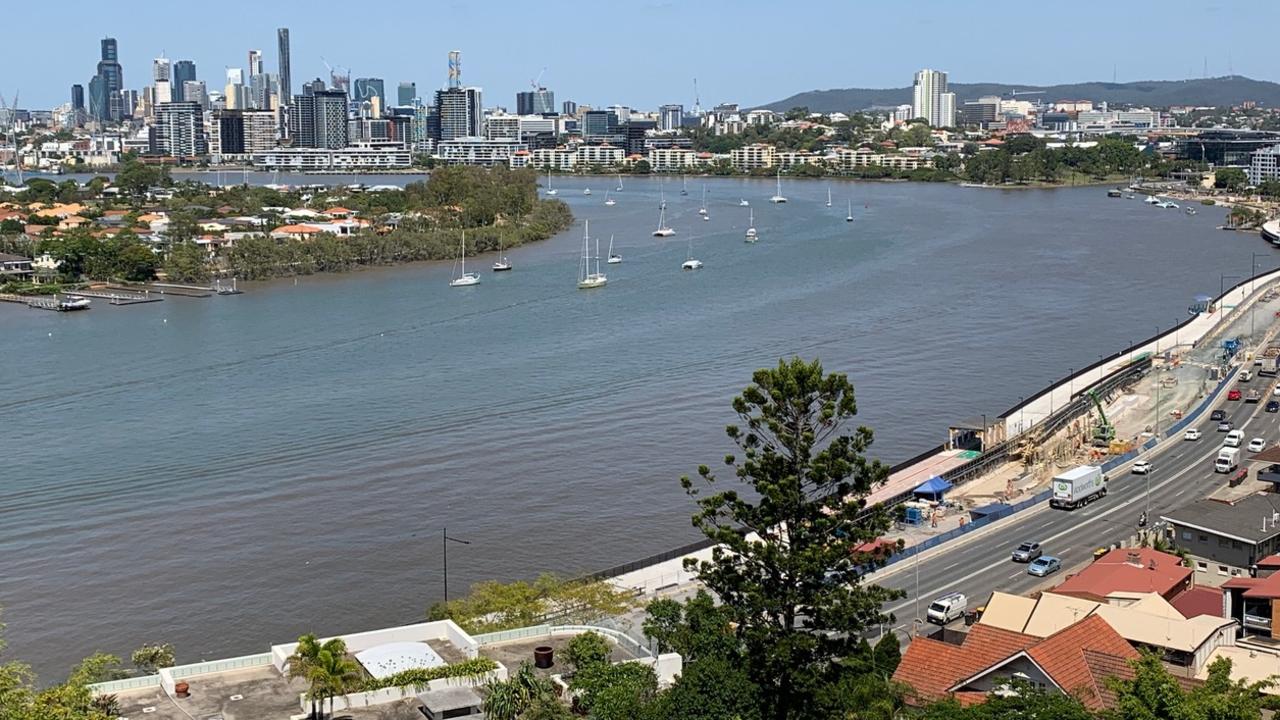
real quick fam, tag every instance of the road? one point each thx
(978, 564)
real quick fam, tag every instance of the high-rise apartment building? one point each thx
(460, 112)
(931, 100)
(319, 117)
(241, 132)
(194, 91)
(282, 60)
(535, 102)
(178, 130)
(406, 93)
(258, 97)
(568, 107)
(162, 81)
(184, 71)
(371, 91)
(105, 102)
(670, 117)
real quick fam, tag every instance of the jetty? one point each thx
(116, 297)
(46, 302)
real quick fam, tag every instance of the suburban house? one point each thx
(14, 267)
(1131, 570)
(1076, 660)
(1227, 539)
(1145, 620)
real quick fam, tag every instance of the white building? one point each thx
(354, 158)
(931, 100)
(600, 155)
(555, 158)
(1264, 165)
(477, 151)
(1118, 119)
(664, 159)
(751, 157)
(762, 117)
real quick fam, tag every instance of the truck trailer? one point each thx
(1268, 361)
(1078, 486)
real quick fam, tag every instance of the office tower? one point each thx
(670, 117)
(319, 117)
(194, 91)
(930, 99)
(599, 122)
(184, 71)
(406, 93)
(178, 130)
(539, 101)
(160, 76)
(373, 92)
(77, 97)
(128, 103)
(286, 82)
(257, 81)
(568, 107)
(105, 101)
(160, 69)
(241, 132)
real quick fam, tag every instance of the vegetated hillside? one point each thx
(1228, 90)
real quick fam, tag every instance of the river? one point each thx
(228, 472)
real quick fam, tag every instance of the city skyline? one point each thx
(733, 57)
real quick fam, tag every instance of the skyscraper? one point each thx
(105, 101)
(319, 117)
(568, 107)
(372, 91)
(286, 82)
(540, 101)
(460, 112)
(670, 117)
(930, 99)
(194, 91)
(178, 130)
(184, 71)
(160, 75)
(406, 93)
(77, 104)
(257, 81)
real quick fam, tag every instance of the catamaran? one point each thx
(614, 259)
(465, 278)
(828, 196)
(608, 200)
(689, 262)
(588, 280)
(751, 227)
(777, 197)
(550, 190)
(502, 264)
(849, 217)
(663, 230)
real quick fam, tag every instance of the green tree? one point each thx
(1025, 703)
(299, 665)
(1154, 694)
(493, 606)
(151, 657)
(187, 263)
(1230, 178)
(624, 691)
(587, 649)
(781, 564)
(800, 112)
(135, 178)
(11, 226)
(697, 628)
(515, 697)
(332, 673)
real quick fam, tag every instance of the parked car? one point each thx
(1044, 565)
(1273, 406)
(1027, 551)
(1233, 394)
(1224, 426)
(1142, 467)
(1191, 434)
(1257, 445)
(1218, 415)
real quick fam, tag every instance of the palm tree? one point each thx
(508, 700)
(301, 661)
(333, 673)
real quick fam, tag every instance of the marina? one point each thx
(397, 371)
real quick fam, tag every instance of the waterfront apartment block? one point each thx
(555, 158)
(1264, 165)
(352, 158)
(478, 151)
(600, 155)
(751, 157)
(667, 159)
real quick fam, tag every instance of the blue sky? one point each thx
(642, 53)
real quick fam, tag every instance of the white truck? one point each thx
(1228, 460)
(1078, 486)
(1268, 360)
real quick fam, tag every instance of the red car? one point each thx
(1233, 394)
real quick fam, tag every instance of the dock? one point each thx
(41, 302)
(196, 291)
(116, 297)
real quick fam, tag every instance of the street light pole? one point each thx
(444, 544)
(1071, 383)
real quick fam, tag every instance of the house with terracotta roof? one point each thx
(1253, 600)
(1135, 570)
(295, 232)
(1076, 660)
(339, 212)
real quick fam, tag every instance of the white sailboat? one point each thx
(751, 227)
(684, 185)
(703, 210)
(465, 278)
(689, 262)
(777, 197)
(550, 190)
(619, 182)
(849, 217)
(502, 264)
(613, 259)
(828, 196)
(586, 191)
(608, 200)
(743, 203)
(663, 230)
(588, 280)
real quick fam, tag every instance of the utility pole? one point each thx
(444, 544)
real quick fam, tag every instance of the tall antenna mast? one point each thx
(697, 102)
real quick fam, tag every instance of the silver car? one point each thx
(1026, 552)
(1045, 565)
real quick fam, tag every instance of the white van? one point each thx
(947, 608)
(1234, 438)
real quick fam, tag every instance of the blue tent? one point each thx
(933, 488)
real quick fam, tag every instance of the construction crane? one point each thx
(1016, 93)
(336, 78)
(10, 129)
(536, 83)
(1103, 431)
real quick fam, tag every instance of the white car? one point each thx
(1191, 434)
(1276, 392)
(1142, 467)
(1257, 445)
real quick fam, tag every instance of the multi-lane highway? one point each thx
(979, 563)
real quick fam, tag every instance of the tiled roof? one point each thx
(1062, 656)
(1199, 601)
(931, 666)
(1160, 573)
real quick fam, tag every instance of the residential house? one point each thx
(15, 267)
(1225, 540)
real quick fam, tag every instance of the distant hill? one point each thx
(1228, 90)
